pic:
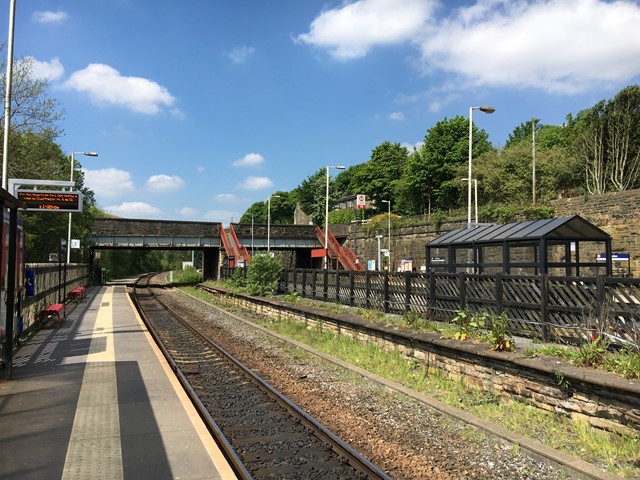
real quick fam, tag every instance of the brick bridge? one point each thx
(232, 246)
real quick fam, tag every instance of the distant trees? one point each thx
(282, 208)
(608, 142)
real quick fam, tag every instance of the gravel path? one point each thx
(405, 438)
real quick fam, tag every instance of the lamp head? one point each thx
(486, 109)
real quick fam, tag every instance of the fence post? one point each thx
(544, 306)
(499, 293)
(432, 289)
(337, 286)
(367, 289)
(295, 277)
(314, 277)
(386, 293)
(325, 287)
(352, 287)
(304, 283)
(407, 291)
(462, 284)
(600, 295)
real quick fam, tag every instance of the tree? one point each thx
(380, 177)
(623, 138)
(590, 147)
(434, 175)
(523, 133)
(311, 195)
(32, 110)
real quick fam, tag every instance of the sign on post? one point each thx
(50, 200)
(361, 201)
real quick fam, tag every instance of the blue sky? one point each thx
(198, 108)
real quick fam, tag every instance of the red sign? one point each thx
(361, 201)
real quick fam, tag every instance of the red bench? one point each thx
(77, 294)
(53, 309)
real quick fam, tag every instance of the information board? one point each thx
(51, 200)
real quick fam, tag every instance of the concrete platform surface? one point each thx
(94, 399)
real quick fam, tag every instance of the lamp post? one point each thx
(73, 164)
(378, 237)
(326, 217)
(475, 195)
(483, 109)
(388, 202)
(269, 221)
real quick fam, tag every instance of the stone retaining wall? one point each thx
(49, 287)
(600, 399)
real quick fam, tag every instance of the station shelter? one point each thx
(565, 246)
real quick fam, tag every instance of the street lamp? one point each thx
(378, 237)
(73, 163)
(269, 221)
(483, 109)
(475, 194)
(388, 202)
(326, 217)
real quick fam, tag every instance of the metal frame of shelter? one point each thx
(8, 259)
(557, 245)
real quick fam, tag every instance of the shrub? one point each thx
(263, 274)
(188, 275)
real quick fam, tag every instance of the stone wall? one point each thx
(49, 287)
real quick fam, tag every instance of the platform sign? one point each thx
(51, 200)
(361, 201)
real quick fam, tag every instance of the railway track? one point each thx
(263, 434)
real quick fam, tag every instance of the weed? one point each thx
(499, 335)
(292, 297)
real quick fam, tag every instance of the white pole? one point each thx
(69, 231)
(7, 101)
(475, 186)
(269, 224)
(326, 224)
(469, 176)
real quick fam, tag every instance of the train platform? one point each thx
(95, 399)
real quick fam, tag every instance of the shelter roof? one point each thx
(571, 228)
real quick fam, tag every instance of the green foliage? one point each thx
(498, 214)
(342, 216)
(626, 362)
(263, 274)
(437, 219)
(311, 195)
(379, 178)
(468, 324)
(501, 340)
(238, 280)
(187, 275)
(592, 353)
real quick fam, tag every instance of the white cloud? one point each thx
(249, 160)
(241, 54)
(109, 182)
(255, 183)
(52, 70)
(49, 17)
(164, 183)
(352, 29)
(188, 212)
(226, 198)
(396, 116)
(106, 86)
(561, 46)
(133, 210)
(200, 169)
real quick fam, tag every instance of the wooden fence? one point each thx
(537, 306)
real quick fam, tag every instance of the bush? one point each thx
(188, 275)
(263, 274)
